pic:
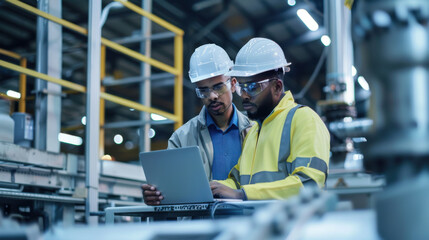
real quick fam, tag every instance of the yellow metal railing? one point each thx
(178, 57)
(152, 17)
(80, 88)
(177, 70)
(10, 54)
(108, 43)
(22, 78)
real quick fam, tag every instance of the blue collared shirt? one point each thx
(226, 146)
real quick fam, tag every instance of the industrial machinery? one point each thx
(347, 176)
(393, 38)
(44, 187)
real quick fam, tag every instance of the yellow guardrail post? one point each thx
(178, 80)
(22, 86)
(102, 89)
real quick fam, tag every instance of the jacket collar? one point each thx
(287, 102)
(233, 121)
(202, 116)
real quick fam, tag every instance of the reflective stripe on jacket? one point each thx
(195, 133)
(290, 150)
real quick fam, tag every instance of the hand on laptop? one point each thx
(151, 196)
(221, 191)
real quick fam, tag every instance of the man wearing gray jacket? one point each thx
(220, 128)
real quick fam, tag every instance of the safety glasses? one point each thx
(218, 89)
(253, 88)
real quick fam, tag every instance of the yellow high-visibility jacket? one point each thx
(289, 150)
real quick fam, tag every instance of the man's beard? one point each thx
(263, 110)
(221, 110)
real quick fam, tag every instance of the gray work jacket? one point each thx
(196, 133)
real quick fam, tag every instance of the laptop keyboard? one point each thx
(183, 207)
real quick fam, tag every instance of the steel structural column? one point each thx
(48, 98)
(41, 66)
(93, 110)
(145, 86)
(340, 55)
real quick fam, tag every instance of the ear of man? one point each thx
(277, 89)
(233, 83)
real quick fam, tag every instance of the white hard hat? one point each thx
(208, 61)
(257, 56)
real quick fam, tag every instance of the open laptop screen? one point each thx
(179, 175)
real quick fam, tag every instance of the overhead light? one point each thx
(363, 83)
(13, 94)
(70, 139)
(132, 109)
(152, 133)
(354, 71)
(83, 120)
(326, 40)
(118, 139)
(157, 117)
(307, 19)
(291, 2)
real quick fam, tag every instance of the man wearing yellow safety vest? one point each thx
(219, 129)
(288, 148)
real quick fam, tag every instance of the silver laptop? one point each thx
(179, 175)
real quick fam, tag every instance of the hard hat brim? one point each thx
(249, 73)
(207, 76)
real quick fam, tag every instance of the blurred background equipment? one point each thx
(393, 38)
